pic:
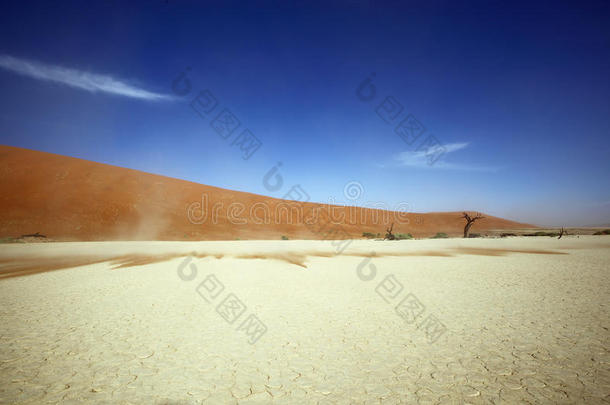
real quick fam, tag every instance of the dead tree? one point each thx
(561, 233)
(389, 235)
(469, 221)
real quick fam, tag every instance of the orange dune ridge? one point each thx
(70, 199)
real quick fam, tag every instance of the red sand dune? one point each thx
(66, 198)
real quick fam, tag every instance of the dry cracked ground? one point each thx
(434, 321)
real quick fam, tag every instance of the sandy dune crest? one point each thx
(72, 199)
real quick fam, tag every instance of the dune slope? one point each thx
(67, 198)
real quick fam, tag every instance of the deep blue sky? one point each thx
(518, 93)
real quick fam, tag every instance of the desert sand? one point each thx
(511, 320)
(69, 199)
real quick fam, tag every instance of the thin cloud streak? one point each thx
(419, 159)
(92, 82)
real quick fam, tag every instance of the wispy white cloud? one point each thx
(92, 82)
(420, 158)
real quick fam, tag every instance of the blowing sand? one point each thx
(428, 321)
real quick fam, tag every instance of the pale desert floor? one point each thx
(426, 321)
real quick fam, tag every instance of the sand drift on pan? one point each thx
(30, 265)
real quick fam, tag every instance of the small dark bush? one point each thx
(440, 235)
(401, 236)
(474, 235)
(504, 235)
(541, 233)
(10, 240)
(604, 232)
(284, 237)
(368, 235)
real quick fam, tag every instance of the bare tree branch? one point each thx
(470, 221)
(389, 235)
